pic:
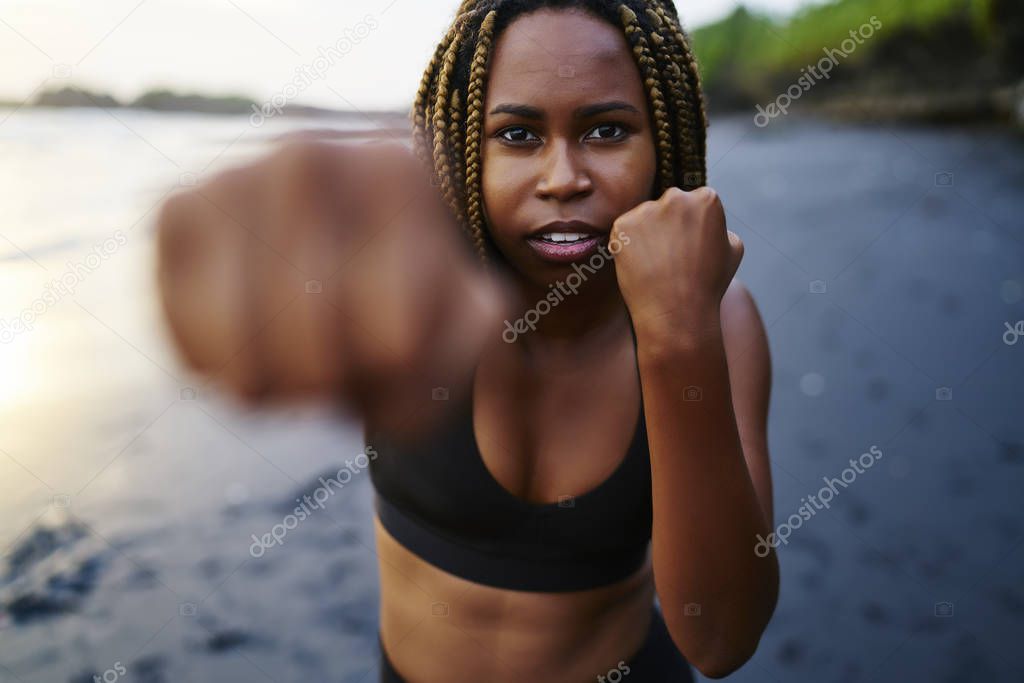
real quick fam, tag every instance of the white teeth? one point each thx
(564, 236)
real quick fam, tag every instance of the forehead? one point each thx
(550, 57)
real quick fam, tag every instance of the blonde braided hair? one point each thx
(649, 71)
(448, 112)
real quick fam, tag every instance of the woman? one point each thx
(603, 444)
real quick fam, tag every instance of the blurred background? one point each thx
(868, 153)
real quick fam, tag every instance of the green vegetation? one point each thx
(159, 100)
(747, 56)
(74, 97)
(166, 100)
(945, 55)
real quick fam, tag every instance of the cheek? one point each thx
(631, 179)
(500, 191)
(648, 172)
(490, 196)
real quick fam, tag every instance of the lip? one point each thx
(566, 226)
(566, 253)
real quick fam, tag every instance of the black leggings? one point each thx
(657, 661)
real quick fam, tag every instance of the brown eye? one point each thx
(516, 134)
(607, 131)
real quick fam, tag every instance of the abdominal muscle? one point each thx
(438, 627)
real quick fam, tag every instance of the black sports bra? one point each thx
(439, 500)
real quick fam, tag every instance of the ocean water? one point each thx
(130, 490)
(888, 265)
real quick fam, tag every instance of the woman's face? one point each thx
(567, 137)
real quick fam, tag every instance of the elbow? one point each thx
(725, 660)
(725, 648)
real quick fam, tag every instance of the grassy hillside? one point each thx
(922, 44)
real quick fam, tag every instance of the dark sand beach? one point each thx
(887, 262)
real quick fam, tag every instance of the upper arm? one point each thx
(750, 379)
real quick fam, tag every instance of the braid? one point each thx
(693, 92)
(675, 51)
(419, 108)
(458, 152)
(474, 132)
(440, 127)
(448, 112)
(677, 105)
(650, 71)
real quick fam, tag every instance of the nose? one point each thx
(564, 176)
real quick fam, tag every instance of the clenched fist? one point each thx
(326, 270)
(678, 263)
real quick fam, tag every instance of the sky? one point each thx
(341, 54)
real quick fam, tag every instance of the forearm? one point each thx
(707, 516)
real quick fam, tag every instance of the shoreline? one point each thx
(1002, 106)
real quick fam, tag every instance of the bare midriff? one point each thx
(436, 627)
(542, 429)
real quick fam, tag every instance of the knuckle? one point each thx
(176, 231)
(300, 149)
(632, 217)
(395, 159)
(624, 219)
(392, 148)
(674, 195)
(226, 184)
(171, 211)
(285, 153)
(299, 159)
(707, 194)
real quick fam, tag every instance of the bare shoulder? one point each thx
(750, 379)
(743, 330)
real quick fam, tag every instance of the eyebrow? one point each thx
(585, 111)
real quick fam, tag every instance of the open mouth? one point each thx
(565, 247)
(565, 237)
